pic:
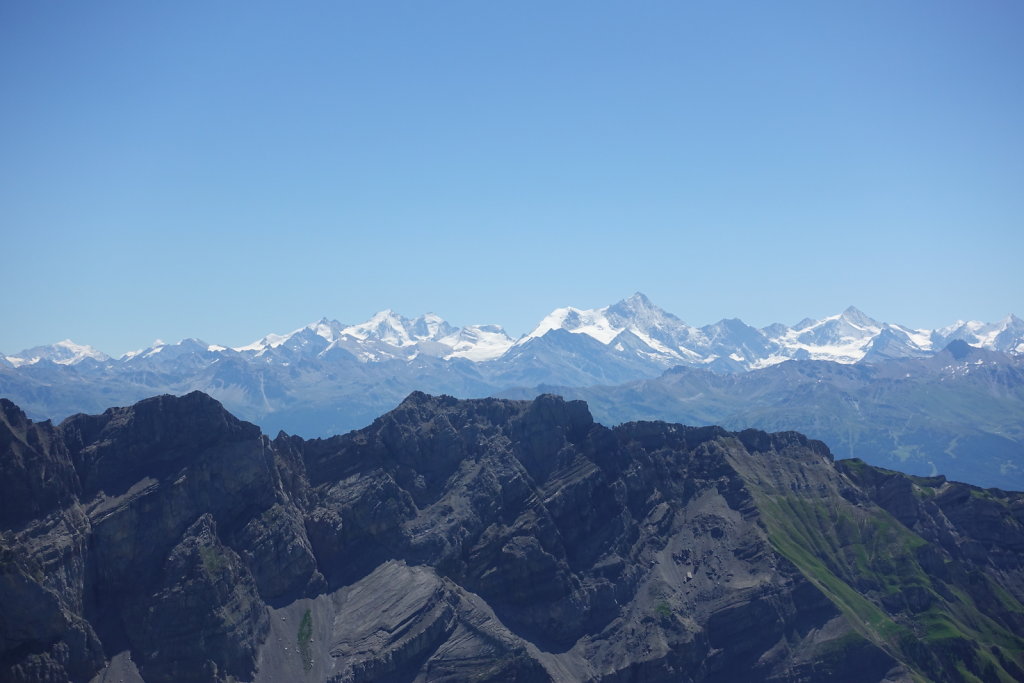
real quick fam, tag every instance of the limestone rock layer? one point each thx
(488, 540)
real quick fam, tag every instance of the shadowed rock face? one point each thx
(487, 540)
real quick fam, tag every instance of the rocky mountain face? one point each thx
(488, 540)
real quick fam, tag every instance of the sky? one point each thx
(224, 170)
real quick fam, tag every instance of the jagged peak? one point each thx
(856, 316)
(1011, 320)
(729, 324)
(852, 310)
(202, 417)
(192, 341)
(804, 324)
(384, 314)
(12, 412)
(638, 299)
(416, 397)
(639, 307)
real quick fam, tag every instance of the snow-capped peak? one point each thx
(386, 326)
(64, 352)
(328, 329)
(635, 313)
(370, 340)
(637, 304)
(663, 337)
(1005, 335)
(324, 327)
(638, 312)
(430, 327)
(478, 342)
(592, 322)
(75, 353)
(843, 338)
(634, 330)
(857, 318)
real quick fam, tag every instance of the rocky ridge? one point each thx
(488, 539)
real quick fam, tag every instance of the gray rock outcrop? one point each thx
(487, 540)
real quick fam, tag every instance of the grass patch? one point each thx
(865, 561)
(214, 561)
(304, 638)
(982, 494)
(924, 492)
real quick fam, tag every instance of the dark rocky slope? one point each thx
(488, 540)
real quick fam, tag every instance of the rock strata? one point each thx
(488, 540)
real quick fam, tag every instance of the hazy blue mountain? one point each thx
(959, 413)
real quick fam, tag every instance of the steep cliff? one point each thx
(488, 540)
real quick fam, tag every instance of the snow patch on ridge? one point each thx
(478, 343)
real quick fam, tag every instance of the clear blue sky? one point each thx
(227, 169)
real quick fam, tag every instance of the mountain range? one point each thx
(488, 540)
(634, 330)
(945, 401)
(959, 412)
